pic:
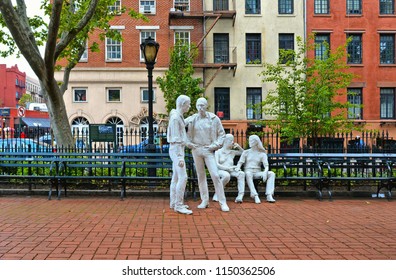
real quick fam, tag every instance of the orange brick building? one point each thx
(371, 25)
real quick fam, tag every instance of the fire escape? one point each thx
(183, 13)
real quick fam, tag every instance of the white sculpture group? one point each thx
(210, 146)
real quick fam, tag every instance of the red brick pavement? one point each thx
(145, 228)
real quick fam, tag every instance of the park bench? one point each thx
(30, 168)
(118, 170)
(345, 170)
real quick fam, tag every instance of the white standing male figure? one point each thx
(225, 162)
(176, 136)
(253, 159)
(206, 135)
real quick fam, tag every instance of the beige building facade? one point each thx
(235, 37)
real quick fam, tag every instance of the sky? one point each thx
(33, 8)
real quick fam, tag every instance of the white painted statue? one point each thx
(176, 136)
(206, 135)
(253, 159)
(225, 162)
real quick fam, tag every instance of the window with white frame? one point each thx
(387, 7)
(84, 57)
(182, 38)
(113, 94)
(321, 7)
(144, 95)
(355, 99)
(387, 100)
(113, 50)
(354, 7)
(143, 36)
(116, 7)
(252, 7)
(285, 7)
(147, 7)
(79, 94)
(182, 5)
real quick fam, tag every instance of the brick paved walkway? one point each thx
(145, 228)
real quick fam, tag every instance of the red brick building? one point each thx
(371, 25)
(12, 85)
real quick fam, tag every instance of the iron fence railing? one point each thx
(131, 141)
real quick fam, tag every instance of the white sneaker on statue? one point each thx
(204, 204)
(239, 198)
(224, 207)
(183, 210)
(257, 199)
(270, 198)
(215, 197)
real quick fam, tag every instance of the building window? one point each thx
(113, 95)
(143, 36)
(286, 42)
(387, 7)
(355, 99)
(113, 50)
(253, 101)
(355, 49)
(321, 7)
(387, 96)
(253, 48)
(182, 38)
(322, 46)
(220, 5)
(182, 5)
(147, 7)
(144, 95)
(119, 128)
(80, 127)
(387, 48)
(116, 7)
(84, 57)
(221, 48)
(79, 95)
(285, 7)
(354, 7)
(222, 103)
(252, 7)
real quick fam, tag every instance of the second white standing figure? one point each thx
(206, 135)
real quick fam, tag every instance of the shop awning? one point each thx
(37, 122)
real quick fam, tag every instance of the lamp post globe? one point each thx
(149, 49)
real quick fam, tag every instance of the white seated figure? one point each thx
(253, 159)
(225, 163)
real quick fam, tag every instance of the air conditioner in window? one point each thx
(147, 9)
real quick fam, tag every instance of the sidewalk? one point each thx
(145, 228)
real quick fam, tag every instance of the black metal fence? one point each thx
(132, 140)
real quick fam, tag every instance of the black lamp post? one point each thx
(150, 50)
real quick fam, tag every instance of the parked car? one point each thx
(47, 138)
(23, 145)
(142, 148)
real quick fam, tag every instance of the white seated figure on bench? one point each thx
(253, 159)
(225, 163)
(177, 137)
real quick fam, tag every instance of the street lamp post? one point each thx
(149, 49)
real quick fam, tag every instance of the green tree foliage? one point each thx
(25, 99)
(178, 79)
(302, 101)
(64, 32)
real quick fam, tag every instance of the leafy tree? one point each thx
(25, 99)
(178, 79)
(70, 23)
(303, 102)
